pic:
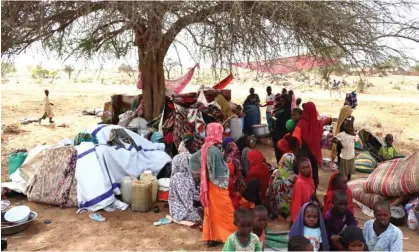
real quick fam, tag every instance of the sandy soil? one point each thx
(128, 230)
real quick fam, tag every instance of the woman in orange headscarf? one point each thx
(258, 170)
(214, 195)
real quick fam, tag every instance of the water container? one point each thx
(236, 128)
(126, 189)
(148, 176)
(141, 196)
(16, 160)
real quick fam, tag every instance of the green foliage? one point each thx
(415, 68)
(7, 68)
(41, 73)
(390, 63)
(397, 87)
(69, 69)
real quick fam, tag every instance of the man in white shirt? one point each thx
(270, 101)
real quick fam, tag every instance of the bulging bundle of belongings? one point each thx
(62, 175)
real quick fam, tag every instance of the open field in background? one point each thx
(392, 105)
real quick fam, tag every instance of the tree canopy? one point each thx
(225, 31)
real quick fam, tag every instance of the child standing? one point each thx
(347, 139)
(243, 239)
(270, 101)
(380, 234)
(388, 151)
(260, 222)
(303, 187)
(310, 224)
(47, 109)
(338, 218)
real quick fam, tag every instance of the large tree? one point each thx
(225, 31)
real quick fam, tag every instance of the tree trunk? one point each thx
(151, 67)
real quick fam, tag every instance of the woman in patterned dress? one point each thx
(182, 191)
(279, 194)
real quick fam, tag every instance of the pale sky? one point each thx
(35, 55)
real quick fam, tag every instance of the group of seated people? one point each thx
(230, 188)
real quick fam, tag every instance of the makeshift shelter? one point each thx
(175, 86)
(286, 65)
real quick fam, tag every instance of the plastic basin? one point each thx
(18, 214)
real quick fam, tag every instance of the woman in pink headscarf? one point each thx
(214, 195)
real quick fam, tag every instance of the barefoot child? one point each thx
(243, 239)
(310, 224)
(347, 156)
(338, 218)
(47, 109)
(260, 222)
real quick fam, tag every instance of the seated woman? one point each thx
(279, 194)
(182, 191)
(236, 184)
(259, 171)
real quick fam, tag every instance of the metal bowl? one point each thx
(260, 130)
(16, 228)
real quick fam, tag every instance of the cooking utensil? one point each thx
(260, 130)
(16, 228)
(17, 214)
(4, 205)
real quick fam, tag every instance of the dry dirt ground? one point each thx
(127, 230)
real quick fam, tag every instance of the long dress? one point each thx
(182, 191)
(279, 194)
(279, 119)
(219, 215)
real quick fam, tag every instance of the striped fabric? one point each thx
(365, 162)
(358, 193)
(395, 178)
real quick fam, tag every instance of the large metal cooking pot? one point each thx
(260, 130)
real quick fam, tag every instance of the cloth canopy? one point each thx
(223, 83)
(175, 86)
(286, 65)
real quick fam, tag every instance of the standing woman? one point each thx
(251, 108)
(279, 119)
(214, 195)
(308, 131)
(345, 114)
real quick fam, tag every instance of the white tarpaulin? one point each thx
(100, 169)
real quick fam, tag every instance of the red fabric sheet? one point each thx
(174, 85)
(223, 83)
(286, 65)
